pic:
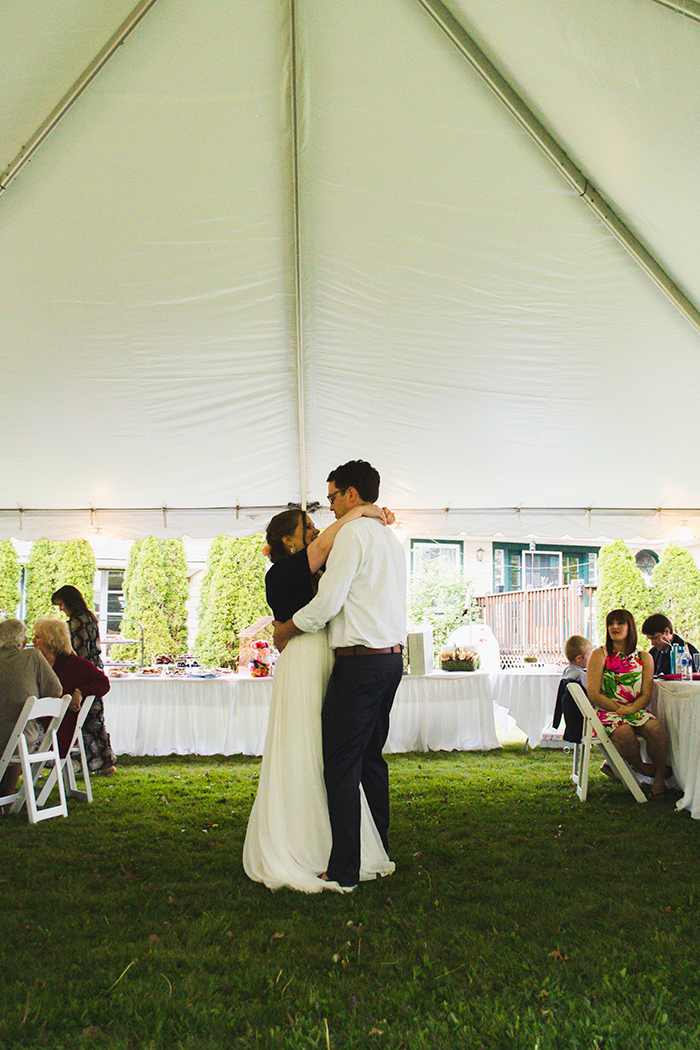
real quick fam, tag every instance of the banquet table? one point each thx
(677, 705)
(162, 715)
(529, 695)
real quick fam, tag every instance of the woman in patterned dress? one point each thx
(85, 639)
(620, 678)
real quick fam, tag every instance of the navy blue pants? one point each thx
(355, 722)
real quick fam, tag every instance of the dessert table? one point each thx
(529, 695)
(163, 715)
(677, 705)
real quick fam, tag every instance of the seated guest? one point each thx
(659, 631)
(23, 673)
(620, 678)
(577, 650)
(80, 678)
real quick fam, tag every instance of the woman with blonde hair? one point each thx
(80, 678)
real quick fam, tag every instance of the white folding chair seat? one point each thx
(594, 733)
(32, 764)
(77, 750)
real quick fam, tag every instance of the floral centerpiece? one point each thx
(459, 660)
(260, 664)
(531, 655)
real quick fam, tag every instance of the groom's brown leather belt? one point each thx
(364, 650)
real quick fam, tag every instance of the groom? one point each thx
(362, 598)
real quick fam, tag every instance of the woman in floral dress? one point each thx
(620, 678)
(85, 639)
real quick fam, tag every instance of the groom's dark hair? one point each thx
(359, 475)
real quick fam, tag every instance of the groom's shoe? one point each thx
(335, 887)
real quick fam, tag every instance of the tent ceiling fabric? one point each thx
(468, 324)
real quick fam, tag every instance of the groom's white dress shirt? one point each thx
(362, 594)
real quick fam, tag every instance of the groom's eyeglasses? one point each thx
(332, 495)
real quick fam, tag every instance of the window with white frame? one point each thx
(448, 554)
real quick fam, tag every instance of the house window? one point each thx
(109, 600)
(448, 554)
(516, 567)
(646, 562)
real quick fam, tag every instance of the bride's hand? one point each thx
(389, 516)
(371, 510)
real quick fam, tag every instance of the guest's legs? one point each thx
(8, 784)
(627, 744)
(655, 736)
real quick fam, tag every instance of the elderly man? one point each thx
(659, 631)
(23, 673)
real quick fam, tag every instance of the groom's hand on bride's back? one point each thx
(283, 632)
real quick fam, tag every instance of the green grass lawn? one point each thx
(517, 918)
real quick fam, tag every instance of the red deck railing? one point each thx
(538, 619)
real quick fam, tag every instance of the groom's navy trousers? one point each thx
(355, 721)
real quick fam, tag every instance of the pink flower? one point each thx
(616, 662)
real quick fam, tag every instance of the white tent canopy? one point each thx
(227, 271)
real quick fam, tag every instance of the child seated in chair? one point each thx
(577, 651)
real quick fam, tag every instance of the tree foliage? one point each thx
(233, 597)
(620, 586)
(41, 571)
(438, 597)
(10, 573)
(75, 565)
(156, 588)
(53, 564)
(675, 588)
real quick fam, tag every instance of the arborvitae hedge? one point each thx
(156, 588)
(620, 586)
(235, 597)
(675, 588)
(10, 574)
(53, 564)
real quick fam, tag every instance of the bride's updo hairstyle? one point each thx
(283, 524)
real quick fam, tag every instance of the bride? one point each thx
(288, 840)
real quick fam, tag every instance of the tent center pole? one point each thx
(298, 289)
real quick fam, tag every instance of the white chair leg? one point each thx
(40, 759)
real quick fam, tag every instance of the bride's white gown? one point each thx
(288, 840)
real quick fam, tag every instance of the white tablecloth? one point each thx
(163, 716)
(529, 696)
(445, 711)
(677, 705)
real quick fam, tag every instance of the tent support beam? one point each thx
(298, 289)
(691, 8)
(84, 80)
(558, 157)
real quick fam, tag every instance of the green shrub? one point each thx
(156, 588)
(620, 586)
(41, 574)
(233, 597)
(53, 564)
(75, 565)
(675, 589)
(10, 573)
(438, 597)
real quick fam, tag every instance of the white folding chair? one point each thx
(75, 750)
(32, 764)
(594, 733)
